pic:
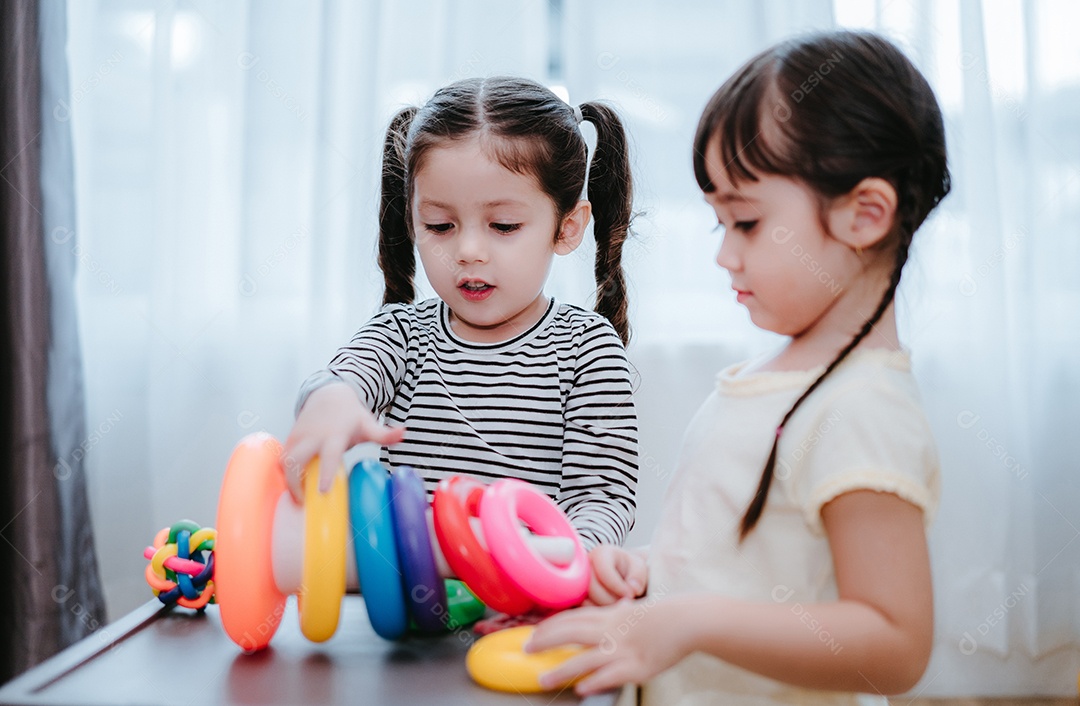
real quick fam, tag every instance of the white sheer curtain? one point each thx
(227, 158)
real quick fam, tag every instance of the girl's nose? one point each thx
(471, 245)
(727, 257)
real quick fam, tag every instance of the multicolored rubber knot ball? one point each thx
(181, 568)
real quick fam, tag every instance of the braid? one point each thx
(757, 505)
(611, 193)
(396, 257)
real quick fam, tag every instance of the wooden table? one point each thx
(160, 656)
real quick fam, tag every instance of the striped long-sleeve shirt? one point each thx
(551, 406)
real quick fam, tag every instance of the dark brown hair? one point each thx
(528, 130)
(831, 110)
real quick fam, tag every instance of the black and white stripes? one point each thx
(551, 406)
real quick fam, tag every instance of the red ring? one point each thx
(470, 562)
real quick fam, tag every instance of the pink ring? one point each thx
(504, 503)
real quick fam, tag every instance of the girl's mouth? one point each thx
(475, 290)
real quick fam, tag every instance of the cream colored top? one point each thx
(863, 428)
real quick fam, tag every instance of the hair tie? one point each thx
(578, 117)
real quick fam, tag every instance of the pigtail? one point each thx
(397, 259)
(611, 193)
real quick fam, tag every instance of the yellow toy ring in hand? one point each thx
(498, 661)
(325, 537)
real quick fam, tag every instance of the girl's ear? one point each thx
(572, 228)
(864, 216)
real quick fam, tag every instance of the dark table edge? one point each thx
(23, 689)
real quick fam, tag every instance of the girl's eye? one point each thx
(506, 227)
(438, 227)
(745, 226)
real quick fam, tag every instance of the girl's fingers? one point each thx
(573, 668)
(576, 626)
(598, 594)
(609, 576)
(371, 430)
(295, 486)
(607, 676)
(293, 459)
(298, 453)
(330, 459)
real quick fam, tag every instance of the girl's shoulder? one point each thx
(402, 323)
(864, 373)
(423, 314)
(874, 391)
(871, 371)
(582, 323)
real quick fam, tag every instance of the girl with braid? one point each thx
(789, 565)
(493, 378)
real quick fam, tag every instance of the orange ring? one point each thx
(325, 538)
(251, 604)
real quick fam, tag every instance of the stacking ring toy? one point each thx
(371, 512)
(425, 590)
(325, 538)
(267, 547)
(551, 586)
(251, 604)
(499, 661)
(468, 559)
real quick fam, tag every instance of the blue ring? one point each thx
(425, 590)
(371, 514)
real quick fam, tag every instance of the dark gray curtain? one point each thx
(50, 592)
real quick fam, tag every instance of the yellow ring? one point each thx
(498, 661)
(325, 535)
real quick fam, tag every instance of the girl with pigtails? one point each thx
(790, 565)
(493, 378)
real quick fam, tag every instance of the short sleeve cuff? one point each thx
(323, 378)
(903, 487)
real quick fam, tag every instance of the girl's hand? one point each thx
(631, 641)
(331, 421)
(616, 573)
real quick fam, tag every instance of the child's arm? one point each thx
(336, 406)
(875, 638)
(600, 459)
